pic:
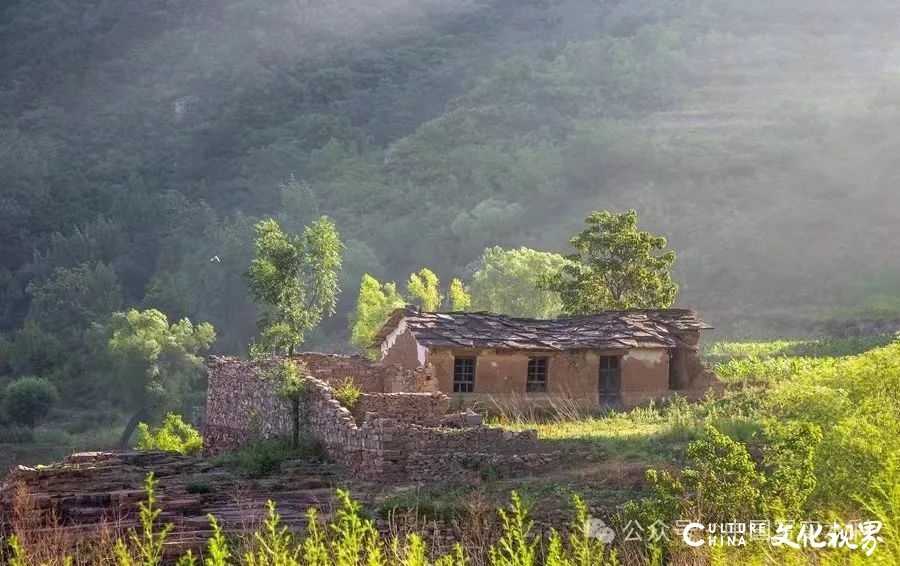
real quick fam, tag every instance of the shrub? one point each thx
(28, 399)
(197, 487)
(348, 393)
(264, 457)
(174, 435)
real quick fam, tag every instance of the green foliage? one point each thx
(261, 458)
(616, 267)
(460, 300)
(144, 548)
(295, 281)
(288, 374)
(373, 306)
(273, 543)
(789, 459)
(174, 435)
(27, 400)
(584, 548)
(197, 487)
(73, 298)
(158, 363)
(724, 477)
(423, 290)
(16, 552)
(347, 393)
(506, 282)
(217, 551)
(516, 546)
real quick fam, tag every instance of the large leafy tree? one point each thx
(294, 279)
(374, 304)
(157, 363)
(505, 282)
(616, 266)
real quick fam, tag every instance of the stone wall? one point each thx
(386, 449)
(396, 436)
(370, 376)
(422, 408)
(241, 402)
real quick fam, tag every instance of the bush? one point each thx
(197, 487)
(174, 435)
(264, 457)
(348, 393)
(28, 399)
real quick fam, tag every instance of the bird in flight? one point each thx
(216, 259)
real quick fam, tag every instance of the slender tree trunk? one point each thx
(139, 416)
(295, 433)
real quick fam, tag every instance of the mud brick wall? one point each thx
(422, 408)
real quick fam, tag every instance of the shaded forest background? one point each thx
(138, 140)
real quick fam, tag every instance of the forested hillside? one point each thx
(139, 141)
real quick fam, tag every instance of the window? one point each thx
(610, 379)
(463, 375)
(537, 375)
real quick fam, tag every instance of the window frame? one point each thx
(533, 383)
(460, 383)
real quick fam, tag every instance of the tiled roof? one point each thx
(612, 329)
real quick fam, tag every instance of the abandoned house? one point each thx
(616, 358)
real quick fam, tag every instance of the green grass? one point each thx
(54, 441)
(262, 458)
(813, 348)
(768, 362)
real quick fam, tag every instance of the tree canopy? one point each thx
(157, 363)
(295, 281)
(616, 266)
(143, 146)
(506, 282)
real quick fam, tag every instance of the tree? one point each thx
(506, 283)
(27, 399)
(424, 291)
(373, 306)
(73, 298)
(616, 267)
(294, 279)
(459, 297)
(157, 362)
(288, 375)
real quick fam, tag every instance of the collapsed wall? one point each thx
(387, 436)
(389, 449)
(242, 402)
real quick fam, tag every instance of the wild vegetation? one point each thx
(141, 150)
(173, 175)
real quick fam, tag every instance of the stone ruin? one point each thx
(388, 436)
